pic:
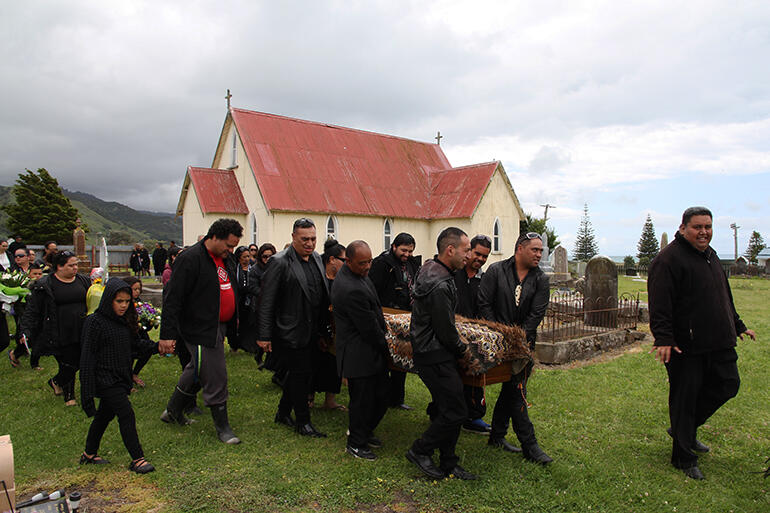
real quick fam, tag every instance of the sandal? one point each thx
(141, 466)
(92, 460)
(57, 390)
(14, 361)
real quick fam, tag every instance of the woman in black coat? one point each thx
(54, 318)
(110, 336)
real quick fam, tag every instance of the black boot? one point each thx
(174, 411)
(224, 431)
(191, 405)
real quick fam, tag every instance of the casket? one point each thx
(495, 351)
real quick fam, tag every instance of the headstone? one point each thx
(79, 246)
(742, 264)
(600, 299)
(663, 240)
(545, 262)
(560, 260)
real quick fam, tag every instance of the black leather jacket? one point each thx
(388, 279)
(433, 332)
(497, 302)
(284, 315)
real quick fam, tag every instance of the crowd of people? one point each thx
(316, 322)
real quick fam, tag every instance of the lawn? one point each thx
(604, 424)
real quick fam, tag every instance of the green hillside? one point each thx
(119, 223)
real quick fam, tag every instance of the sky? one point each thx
(631, 108)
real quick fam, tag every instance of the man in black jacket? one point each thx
(293, 313)
(362, 353)
(436, 349)
(393, 273)
(159, 257)
(516, 292)
(199, 302)
(695, 325)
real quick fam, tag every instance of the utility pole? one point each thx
(735, 236)
(545, 216)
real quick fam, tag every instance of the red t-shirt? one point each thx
(226, 292)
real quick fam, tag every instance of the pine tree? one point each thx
(41, 212)
(536, 224)
(648, 243)
(585, 244)
(756, 245)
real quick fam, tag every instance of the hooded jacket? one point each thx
(432, 329)
(107, 345)
(691, 305)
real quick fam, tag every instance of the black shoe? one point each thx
(477, 426)
(694, 473)
(309, 430)
(374, 442)
(286, 420)
(402, 406)
(93, 460)
(503, 444)
(425, 464)
(536, 454)
(697, 446)
(222, 424)
(362, 453)
(194, 410)
(460, 473)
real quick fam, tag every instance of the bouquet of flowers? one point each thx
(149, 316)
(13, 287)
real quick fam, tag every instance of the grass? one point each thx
(604, 424)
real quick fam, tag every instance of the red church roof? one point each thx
(304, 166)
(217, 190)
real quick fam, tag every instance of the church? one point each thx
(269, 170)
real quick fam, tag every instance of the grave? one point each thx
(601, 292)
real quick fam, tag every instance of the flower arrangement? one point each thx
(149, 316)
(13, 287)
(14, 279)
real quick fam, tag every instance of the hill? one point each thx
(119, 222)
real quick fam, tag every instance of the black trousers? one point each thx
(298, 384)
(396, 384)
(68, 358)
(512, 405)
(446, 389)
(114, 402)
(475, 402)
(698, 386)
(367, 407)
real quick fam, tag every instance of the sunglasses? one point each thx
(20, 255)
(68, 254)
(532, 235)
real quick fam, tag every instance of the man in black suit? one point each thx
(292, 316)
(362, 352)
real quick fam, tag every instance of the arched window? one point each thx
(331, 228)
(387, 234)
(253, 228)
(234, 156)
(496, 236)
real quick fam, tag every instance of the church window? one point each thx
(234, 157)
(387, 233)
(253, 228)
(496, 236)
(331, 228)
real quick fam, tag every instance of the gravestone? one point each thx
(663, 240)
(79, 246)
(600, 299)
(742, 265)
(560, 260)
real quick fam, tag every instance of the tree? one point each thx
(535, 224)
(648, 243)
(41, 212)
(585, 243)
(756, 245)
